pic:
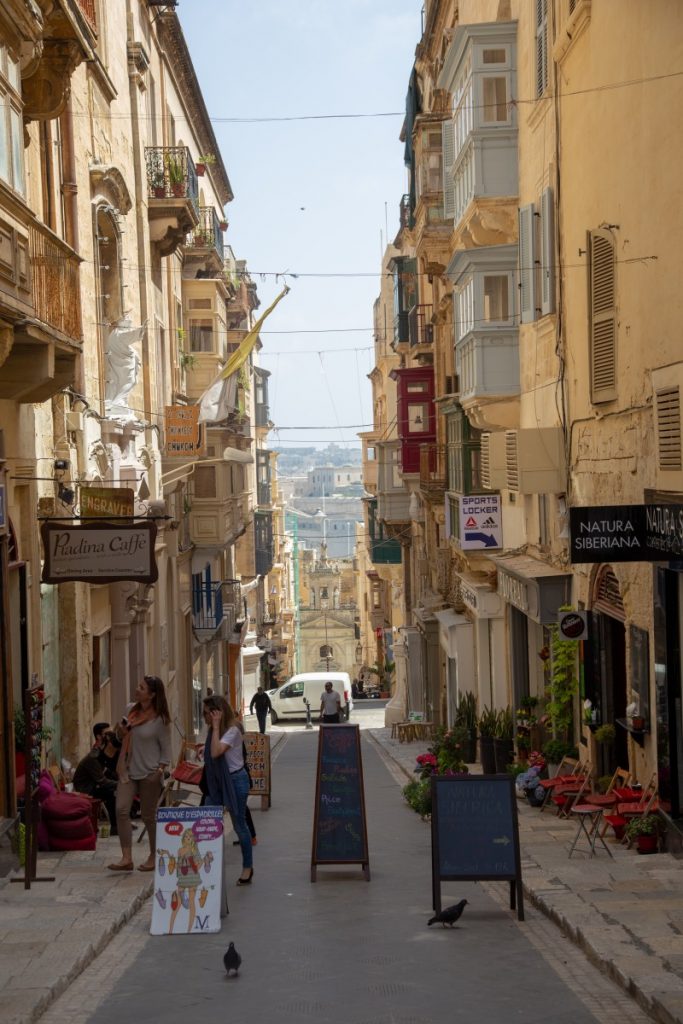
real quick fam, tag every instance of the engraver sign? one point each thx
(480, 522)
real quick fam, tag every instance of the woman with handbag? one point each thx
(227, 780)
(145, 756)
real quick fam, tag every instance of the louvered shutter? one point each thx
(547, 252)
(668, 407)
(602, 317)
(527, 264)
(448, 149)
(541, 46)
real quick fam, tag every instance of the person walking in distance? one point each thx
(330, 705)
(260, 701)
(145, 756)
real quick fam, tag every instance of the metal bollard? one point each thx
(309, 723)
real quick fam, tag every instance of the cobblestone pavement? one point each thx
(625, 914)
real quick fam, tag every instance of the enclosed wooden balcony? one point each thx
(46, 344)
(172, 196)
(420, 328)
(433, 469)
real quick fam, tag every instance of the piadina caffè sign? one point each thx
(626, 533)
(99, 552)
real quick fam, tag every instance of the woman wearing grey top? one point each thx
(145, 755)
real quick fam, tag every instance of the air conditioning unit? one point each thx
(493, 464)
(535, 461)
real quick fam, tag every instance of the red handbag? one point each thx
(188, 773)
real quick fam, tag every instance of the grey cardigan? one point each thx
(150, 746)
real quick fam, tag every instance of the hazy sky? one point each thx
(270, 58)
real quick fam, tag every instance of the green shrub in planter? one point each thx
(555, 750)
(419, 796)
(488, 722)
(605, 734)
(644, 825)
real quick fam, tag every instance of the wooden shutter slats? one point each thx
(602, 316)
(668, 408)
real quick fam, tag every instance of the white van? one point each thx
(288, 701)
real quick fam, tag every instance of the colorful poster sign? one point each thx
(183, 435)
(188, 875)
(257, 746)
(480, 522)
(99, 552)
(105, 502)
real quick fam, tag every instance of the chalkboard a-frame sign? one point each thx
(475, 834)
(339, 828)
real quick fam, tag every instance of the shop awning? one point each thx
(534, 587)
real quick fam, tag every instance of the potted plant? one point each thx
(488, 721)
(176, 176)
(466, 716)
(503, 744)
(223, 225)
(204, 161)
(605, 734)
(554, 751)
(645, 830)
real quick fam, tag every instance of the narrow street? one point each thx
(344, 949)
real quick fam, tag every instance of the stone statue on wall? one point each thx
(123, 366)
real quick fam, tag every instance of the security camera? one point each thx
(61, 464)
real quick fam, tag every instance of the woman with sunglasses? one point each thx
(145, 756)
(227, 779)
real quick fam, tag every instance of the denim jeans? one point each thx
(240, 781)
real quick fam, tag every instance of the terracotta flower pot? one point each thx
(647, 844)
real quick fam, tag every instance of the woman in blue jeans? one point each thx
(226, 777)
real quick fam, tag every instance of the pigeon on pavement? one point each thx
(450, 915)
(232, 959)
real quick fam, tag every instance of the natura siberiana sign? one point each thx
(626, 533)
(99, 553)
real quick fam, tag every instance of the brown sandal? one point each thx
(121, 867)
(145, 867)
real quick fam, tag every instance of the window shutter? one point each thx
(527, 264)
(541, 46)
(602, 317)
(448, 148)
(668, 406)
(547, 252)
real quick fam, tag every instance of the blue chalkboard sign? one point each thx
(475, 834)
(339, 827)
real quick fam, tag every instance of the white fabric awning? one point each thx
(236, 455)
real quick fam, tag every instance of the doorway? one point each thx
(608, 683)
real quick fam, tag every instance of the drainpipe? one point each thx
(70, 194)
(140, 215)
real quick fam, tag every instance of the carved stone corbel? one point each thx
(47, 90)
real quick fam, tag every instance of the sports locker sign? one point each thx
(480, 522)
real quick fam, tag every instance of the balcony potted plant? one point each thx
(176, 177)
(223, 225)
(488, 721)
(645, 830)
(204, 161)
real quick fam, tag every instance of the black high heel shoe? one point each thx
(246, 881)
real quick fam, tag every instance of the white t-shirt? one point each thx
(330, 702)
(233, 756)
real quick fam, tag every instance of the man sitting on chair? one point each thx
(90, 776)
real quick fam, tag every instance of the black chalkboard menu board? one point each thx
(339, 828)
(475, 834)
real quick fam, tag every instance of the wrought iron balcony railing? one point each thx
(420, 330)
(55, 282)
(207, 234)
(171, 174)
(433, 467)
(405, 213)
